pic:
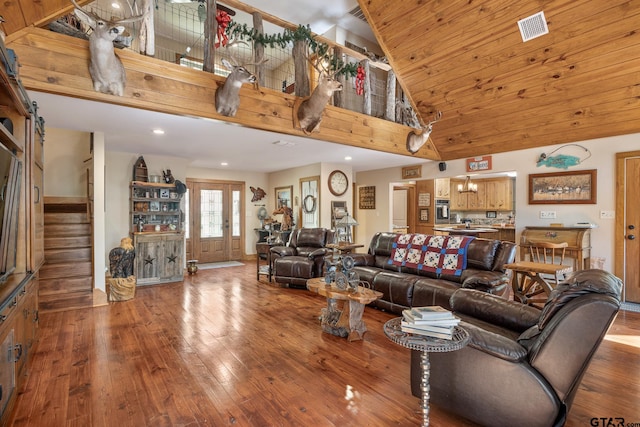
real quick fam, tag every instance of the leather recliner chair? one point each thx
(522, 366)
(302, 258)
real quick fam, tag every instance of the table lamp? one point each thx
(347, 222)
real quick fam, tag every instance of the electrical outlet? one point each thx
(607, 214)
(547, 214)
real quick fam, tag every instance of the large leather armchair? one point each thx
(302, 258)
(522, 366)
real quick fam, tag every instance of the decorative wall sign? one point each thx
(476, 164)
(563, 187)
(424, 199)
(367, 197)
(411, 172)
(424, 215)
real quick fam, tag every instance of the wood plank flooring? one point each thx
(221, 349)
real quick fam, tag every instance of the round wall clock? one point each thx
(338, 183)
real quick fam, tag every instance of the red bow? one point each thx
(360, 80)
(223, 19)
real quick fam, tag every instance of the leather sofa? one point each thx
(404, 287)
(302, 258)
(522, 366)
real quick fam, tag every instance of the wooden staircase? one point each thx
(66, 278)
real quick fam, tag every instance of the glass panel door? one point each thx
(215, 231)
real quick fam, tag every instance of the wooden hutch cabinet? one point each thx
(21, 223)
(155, 221)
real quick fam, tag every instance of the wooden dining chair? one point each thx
(550, 253)
(533, 279)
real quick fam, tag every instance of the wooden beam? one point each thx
(58, 64)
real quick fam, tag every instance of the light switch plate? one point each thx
(607, 214)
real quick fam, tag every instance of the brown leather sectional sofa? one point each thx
(404, 287)
(522, 366)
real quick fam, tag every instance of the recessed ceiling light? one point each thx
(347, 158)
(224, 164)
(158, 131)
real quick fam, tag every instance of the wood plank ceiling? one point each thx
(467, 59)
(497, 93)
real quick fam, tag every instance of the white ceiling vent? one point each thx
(357, 12)
(283, 143)
(533, 26)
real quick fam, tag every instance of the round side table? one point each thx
(426, 345)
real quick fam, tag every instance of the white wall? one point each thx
(65, 172)
(70, 149)
(524, 163)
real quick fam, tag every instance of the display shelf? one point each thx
(156, 205)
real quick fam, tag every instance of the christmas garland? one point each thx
(302, 33)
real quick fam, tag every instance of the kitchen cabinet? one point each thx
(499, 194)
(442, 186)
(467, 201)
(458, 201)
(494, 194)
(507, 234)
(159, 257)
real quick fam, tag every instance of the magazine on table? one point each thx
(431, 312)
(408, 316)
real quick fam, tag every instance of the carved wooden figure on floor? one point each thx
(121, 259)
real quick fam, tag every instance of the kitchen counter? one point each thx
(466, 231)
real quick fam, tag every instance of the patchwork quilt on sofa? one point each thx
(437, 254)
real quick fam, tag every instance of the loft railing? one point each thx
(179, 38)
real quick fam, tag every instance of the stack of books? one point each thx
(433, 321)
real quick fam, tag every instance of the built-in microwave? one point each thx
(442, 211)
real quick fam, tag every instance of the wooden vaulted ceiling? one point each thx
(464, 58)
(467, 59)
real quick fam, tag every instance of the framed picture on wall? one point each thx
(284, 196)
(424, 215)
(563, 187)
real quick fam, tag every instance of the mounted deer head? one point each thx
(228, 96)
(106, 69)
(417, 140)
(309, 113)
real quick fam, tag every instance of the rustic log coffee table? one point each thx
(343, 319)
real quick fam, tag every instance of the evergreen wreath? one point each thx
(301, 33)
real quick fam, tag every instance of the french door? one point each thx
(214, 223)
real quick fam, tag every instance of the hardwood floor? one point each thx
(222, 349)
